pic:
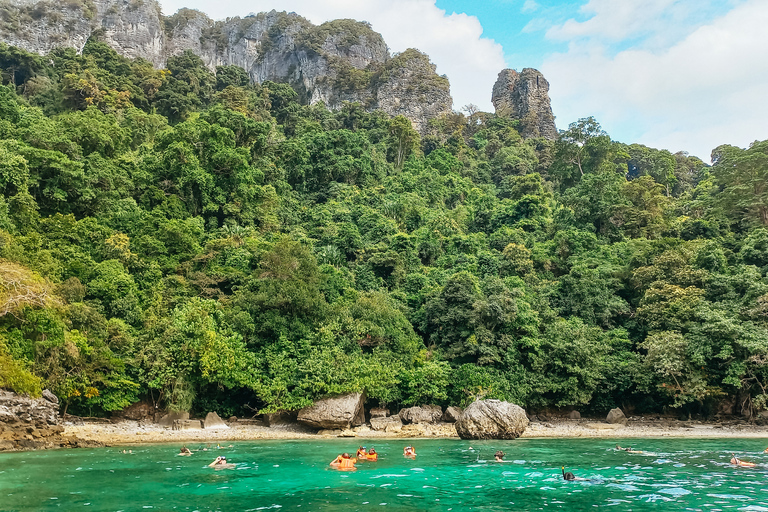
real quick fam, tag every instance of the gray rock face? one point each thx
(137, 412)
(492, 419)
(186, 425)
(525, 96)
(21, 409)
(616, 416)
(336, 62)
(574, 415)
(388, 424)
(423, 414)
(213, 421)
(333, 413)
(452, 414)
(168, 419)
(280, 419)
(379, 412)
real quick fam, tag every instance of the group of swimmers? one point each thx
(347, 463)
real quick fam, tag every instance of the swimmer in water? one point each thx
(344, 462)
(361, 453)
(220, 461)
(567, 475)
(499, 456)
(372, 456)
(185, 451)
(741, 463)
(409, 452)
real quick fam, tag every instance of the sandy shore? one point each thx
(131, 432)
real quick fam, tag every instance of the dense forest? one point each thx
(192, 239)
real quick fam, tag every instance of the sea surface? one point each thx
(447, 475)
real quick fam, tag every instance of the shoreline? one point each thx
(133, 433)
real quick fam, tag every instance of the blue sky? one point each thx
(674, 74)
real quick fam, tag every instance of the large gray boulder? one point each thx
(423, 414)
(335, 412)
(22, 409)
(492, 419)
(616, 416)
(452, 414)
(168, 419)
(213, 421)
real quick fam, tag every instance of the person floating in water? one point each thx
(372, 456)
(499, 456)
(220, 461)
(741, 463)
(409, 452)
(185, 451)
(361, 453)
(344, 462)
(567, 475)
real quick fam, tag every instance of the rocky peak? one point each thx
(525, 96)
(336, 62)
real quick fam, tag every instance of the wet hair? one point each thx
(567, 475)
(345, 455)
(500, 454)
(371, 451)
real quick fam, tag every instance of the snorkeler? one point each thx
(344, 462)
(361, 453)
(567, 475)
(741, 463)
(372, 456)
(185, 451)
(409, 452)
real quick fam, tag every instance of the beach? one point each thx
(127, 432)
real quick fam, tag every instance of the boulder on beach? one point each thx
(616, 416)
(492, 419)
(339, 412)
(422, 414)
(574, 415)
(186, 425)
(168, 419)
(213, 421)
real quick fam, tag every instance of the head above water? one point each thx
(500, 454)
(345, 455)
(567, 475)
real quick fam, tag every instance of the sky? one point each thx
(682, 75)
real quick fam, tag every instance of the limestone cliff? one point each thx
(525, 96)
(336, 62)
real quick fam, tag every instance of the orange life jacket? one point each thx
(360, 453)
(373, 457)
(347, 463)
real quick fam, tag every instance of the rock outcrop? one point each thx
(452, 414)
(333, 413)
(336, 62)
(387, 424)
(213, 421)
(423, 414)
(525, 96)
(33, 423)
(168, 419)
(492, 419)
(616, 416)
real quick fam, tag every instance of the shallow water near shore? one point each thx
(447, 475)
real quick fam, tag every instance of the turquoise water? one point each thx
(448, 475)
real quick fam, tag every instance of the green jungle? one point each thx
(194, 240)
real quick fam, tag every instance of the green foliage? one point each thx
(214, 243)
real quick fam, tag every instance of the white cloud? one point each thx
(454, 42)
(530, 6)
(705, 90)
